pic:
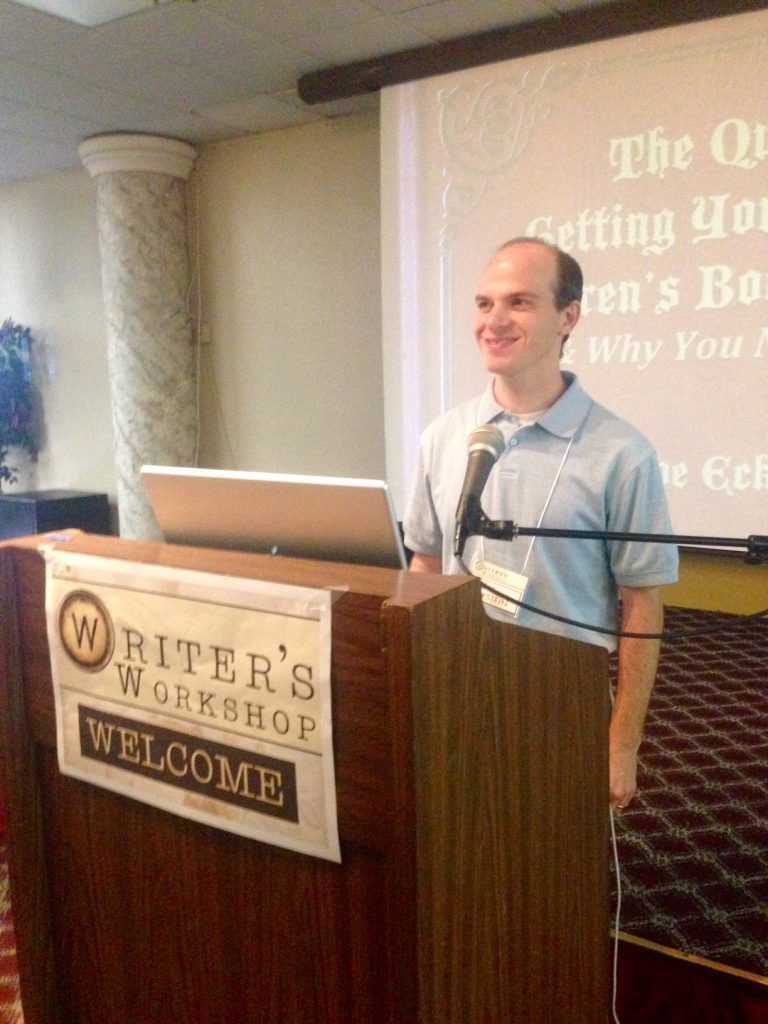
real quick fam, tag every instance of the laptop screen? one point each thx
(331, 518)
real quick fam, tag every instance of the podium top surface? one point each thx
(396, 585)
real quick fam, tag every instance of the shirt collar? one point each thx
(562, 419)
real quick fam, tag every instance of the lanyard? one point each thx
(549, 498)
(555, 482)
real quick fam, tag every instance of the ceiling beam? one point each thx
(609, 20)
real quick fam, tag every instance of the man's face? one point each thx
(518, 329)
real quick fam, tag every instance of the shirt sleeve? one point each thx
(639, 505)
(421, 526)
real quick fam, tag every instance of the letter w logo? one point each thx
(85, 630)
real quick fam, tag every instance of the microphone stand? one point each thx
(756, 546)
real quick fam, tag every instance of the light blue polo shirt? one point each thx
(579, 467)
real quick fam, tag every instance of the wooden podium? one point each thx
(471, 769)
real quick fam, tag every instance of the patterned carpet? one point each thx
(693, 846)
(10, 1002)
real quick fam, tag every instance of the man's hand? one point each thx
(623, 778)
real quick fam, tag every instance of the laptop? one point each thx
(330, 518)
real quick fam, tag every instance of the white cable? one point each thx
(546, 503)
(617, 919)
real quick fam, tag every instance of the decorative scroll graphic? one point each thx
(485, 127)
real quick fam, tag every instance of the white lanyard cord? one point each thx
(546, 503)
(549, 498)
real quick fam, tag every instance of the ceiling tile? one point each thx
(366, 39)
(399, 6)
(448, 19)
(42, 124)
(23, 30)
(293, 19)
(259, 113)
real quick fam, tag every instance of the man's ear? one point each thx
(571, 315)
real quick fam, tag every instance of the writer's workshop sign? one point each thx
(205, 695)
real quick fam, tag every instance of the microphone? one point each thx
(484, 447)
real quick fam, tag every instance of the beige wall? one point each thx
(285, 235)
(290, 295)
(50, 280)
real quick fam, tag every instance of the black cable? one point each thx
(675, 634)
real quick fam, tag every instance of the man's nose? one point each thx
(498, 315)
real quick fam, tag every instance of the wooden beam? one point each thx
(609, 20)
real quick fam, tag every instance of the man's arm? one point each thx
(426, 563)
(642, 612)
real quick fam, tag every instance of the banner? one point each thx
(205, 695)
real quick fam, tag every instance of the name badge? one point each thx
(504, 582)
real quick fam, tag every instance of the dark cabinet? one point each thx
(30, 512)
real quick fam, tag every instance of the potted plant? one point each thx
(17, 407)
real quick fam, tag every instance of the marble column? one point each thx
(141, 205)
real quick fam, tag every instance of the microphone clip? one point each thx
(475, 521)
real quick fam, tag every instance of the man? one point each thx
(568, 463)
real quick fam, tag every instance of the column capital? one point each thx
(127, 151)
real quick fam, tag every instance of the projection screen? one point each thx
(646, 158)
